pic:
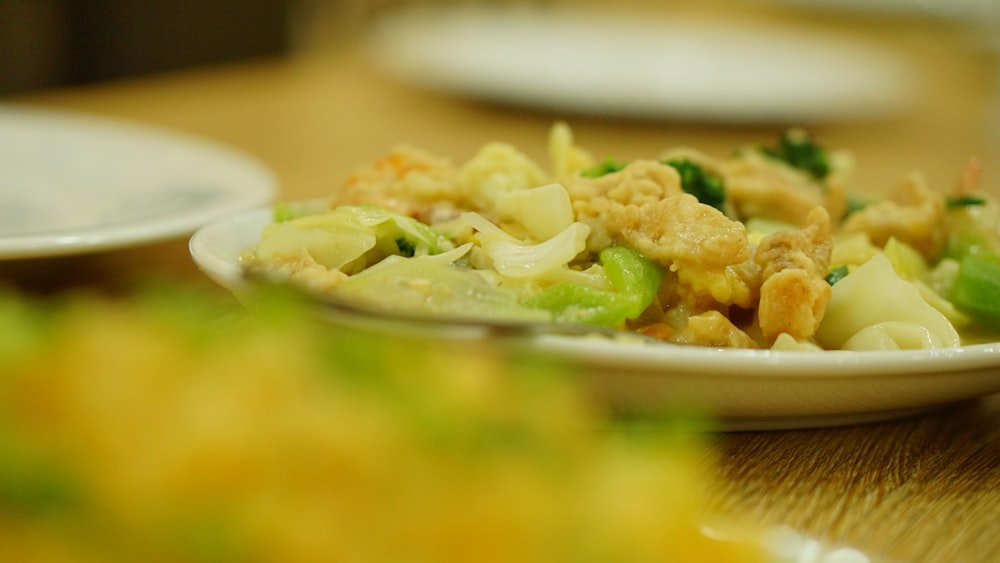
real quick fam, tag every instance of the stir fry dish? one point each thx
(765, 248)
(177, 428)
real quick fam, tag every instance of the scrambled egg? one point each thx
(644, 208)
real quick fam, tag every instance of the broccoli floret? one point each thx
(695, 181)
(607, 167)
(799, 150)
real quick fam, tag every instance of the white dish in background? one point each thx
(959, 9)
(606, 65)
(744, 389)
(71, 183)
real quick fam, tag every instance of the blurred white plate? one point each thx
(72, 184)
(572, 62)
(745, 389)
(959, 9)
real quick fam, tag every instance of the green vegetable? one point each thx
(405, 247)
(977, 287)
(348, 238)
(287, 211)
(836, 275)
(417, 237)
(798, 150)
(283, 212)
(430, 285)
(635, 282)
(578, 304)
(853, 206)
(695, 181)
(30, 484)
(966, 242)
(631, 274)
(607, 167)
(24, 490)
(964, 201)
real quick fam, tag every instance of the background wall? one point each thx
(55, 42)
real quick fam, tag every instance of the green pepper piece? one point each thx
(631, 274)
(634, 279)
(977, 286)
(578, 304)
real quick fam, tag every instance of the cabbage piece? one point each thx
(431, 285)
(289, 210)
(908, 262)
(418, 238)
(893, 335)
(349, 238)
(332, 246)
(544, 211)
(487, 230)
(530, 260)
(516, 259)
(873, 294)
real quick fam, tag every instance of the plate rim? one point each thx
(176, 224)
(742, 390)
(777, 363)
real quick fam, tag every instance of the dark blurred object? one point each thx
(47, 43)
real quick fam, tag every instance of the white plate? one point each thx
(71, 184)
(744, 389)
(572, 62)
(959, 9)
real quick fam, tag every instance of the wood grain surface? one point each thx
(924, 488)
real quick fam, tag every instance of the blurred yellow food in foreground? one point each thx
(172, 428)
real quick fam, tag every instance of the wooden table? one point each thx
(920, 489)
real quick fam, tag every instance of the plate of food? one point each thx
(73, 183)
(658, 66)
(753, 287)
